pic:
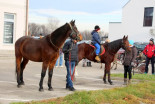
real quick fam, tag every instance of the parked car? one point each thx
(140, 46)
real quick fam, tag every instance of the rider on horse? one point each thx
(96, 41)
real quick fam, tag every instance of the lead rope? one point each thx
(72, 75)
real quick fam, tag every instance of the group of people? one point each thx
(129, 58)
(70, 50)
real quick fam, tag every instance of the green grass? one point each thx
(132, 94)
(137, 76)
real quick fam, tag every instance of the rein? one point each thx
(72, 75)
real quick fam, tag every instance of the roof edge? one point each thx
(115, 22)
(126, 3)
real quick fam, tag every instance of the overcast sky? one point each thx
(87, 13)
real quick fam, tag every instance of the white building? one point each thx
(13, 22)
(138, 20)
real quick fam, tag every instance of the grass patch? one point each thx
(142, 92)
(137, 76)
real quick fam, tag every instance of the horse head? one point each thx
(125, 44)
(74, 33)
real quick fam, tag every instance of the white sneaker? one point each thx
(61, 66)
(56, 66)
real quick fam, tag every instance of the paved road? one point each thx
(88, 78)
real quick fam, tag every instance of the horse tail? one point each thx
(15, 70)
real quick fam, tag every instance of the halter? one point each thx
(73, 31)
(123, 45)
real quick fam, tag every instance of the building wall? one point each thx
(115, 28)
(18, 8)
(132, 21)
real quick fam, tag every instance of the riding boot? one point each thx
(125, 81)
(97, 58)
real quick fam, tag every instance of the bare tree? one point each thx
(52, 24)
(32, 28)
(44, 29)
(86, 35)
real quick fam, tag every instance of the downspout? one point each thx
(26, 26)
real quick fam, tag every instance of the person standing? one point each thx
(60, 59)
(149, 52)
(70, 51)
(96, 41)
(128, 63)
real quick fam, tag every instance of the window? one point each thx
(148, 16)
(8, 28)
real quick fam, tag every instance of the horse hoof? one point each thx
(111, 84)
(41, 89)
(50, 89)
(105, 82)
(19, 86)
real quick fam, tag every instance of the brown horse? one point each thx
(87, 51)
(44, 50)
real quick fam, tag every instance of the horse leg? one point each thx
(108, 71)
(115, 66)
(18, 61)
(50, 73)
(112, 65)
(104, 78)
(43, 73)
(23, 64)
(109, 79)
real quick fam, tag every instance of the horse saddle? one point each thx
(102, 49)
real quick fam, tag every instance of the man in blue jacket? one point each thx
(96, 41)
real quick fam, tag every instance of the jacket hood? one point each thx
(93, 32)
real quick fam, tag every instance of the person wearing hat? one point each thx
(128, 62)
(149, 52)
(96, 40)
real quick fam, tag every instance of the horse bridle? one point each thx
(73, 31)
(123, 45)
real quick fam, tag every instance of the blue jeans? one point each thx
(97, 48)
(60, 60)
(68, 80)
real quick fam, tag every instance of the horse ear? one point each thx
(71, 21)
(74, 22)
(127, 37)
(123, 37)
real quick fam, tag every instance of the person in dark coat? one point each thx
(149, 52)
(70, 50)
(96, 41)
(128, 62)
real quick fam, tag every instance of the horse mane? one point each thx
(56, 34)
(59, 31)
(114, 45)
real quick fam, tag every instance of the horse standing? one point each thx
(44, 50)
(87, 51)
